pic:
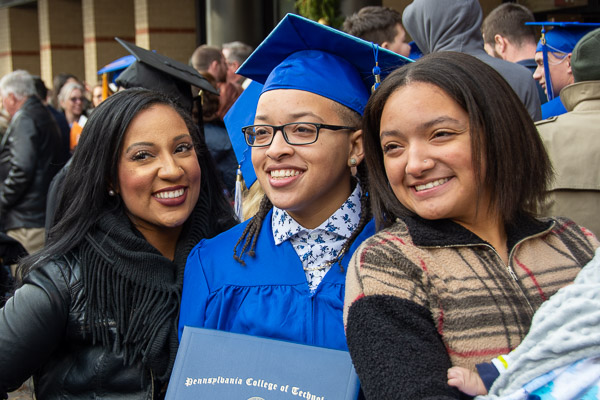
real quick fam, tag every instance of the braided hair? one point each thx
(252, 230)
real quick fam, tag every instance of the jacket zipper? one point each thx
(511, 271)
(510, 257)
(509, 268)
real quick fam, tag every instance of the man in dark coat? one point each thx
(29, 159)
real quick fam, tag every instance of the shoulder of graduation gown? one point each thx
(269, 296)
(553, 108)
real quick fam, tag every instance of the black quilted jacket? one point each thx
(30, 156)
(58, 351)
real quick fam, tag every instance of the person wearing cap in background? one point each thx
(285, 274)
(456, 26)
(507, 37)
(573, 140)
(381, 25)
(553, 58)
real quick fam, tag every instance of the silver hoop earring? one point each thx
(111, 193)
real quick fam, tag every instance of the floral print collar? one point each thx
(316, 247)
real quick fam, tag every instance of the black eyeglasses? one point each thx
(295, 133)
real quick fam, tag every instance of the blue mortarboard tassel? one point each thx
(237, 203)
(547, 78)
(376, 69)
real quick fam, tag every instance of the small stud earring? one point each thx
(111, 193)
(353, 162)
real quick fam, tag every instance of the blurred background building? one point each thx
(48, 37)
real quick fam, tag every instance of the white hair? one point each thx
(238, 51)
(18, 83)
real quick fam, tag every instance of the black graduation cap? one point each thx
(162, 74)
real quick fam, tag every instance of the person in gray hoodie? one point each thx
(456, 26)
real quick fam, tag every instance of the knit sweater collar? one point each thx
(444, 232)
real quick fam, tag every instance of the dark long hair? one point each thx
(84, 195)
(506, 147)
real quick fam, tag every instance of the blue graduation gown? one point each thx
(553, 108)
(269, 296)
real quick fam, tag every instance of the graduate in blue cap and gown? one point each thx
(281, 274)
(553, 58)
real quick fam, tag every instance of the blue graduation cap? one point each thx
(239, 115)
(118, 65)
(113, 70)
(562, 38)
(305, 55)
(415, 52)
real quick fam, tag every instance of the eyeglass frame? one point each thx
(281, 128)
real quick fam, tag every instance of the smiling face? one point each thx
(158, 171)
(426, 143)
(310, 181)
